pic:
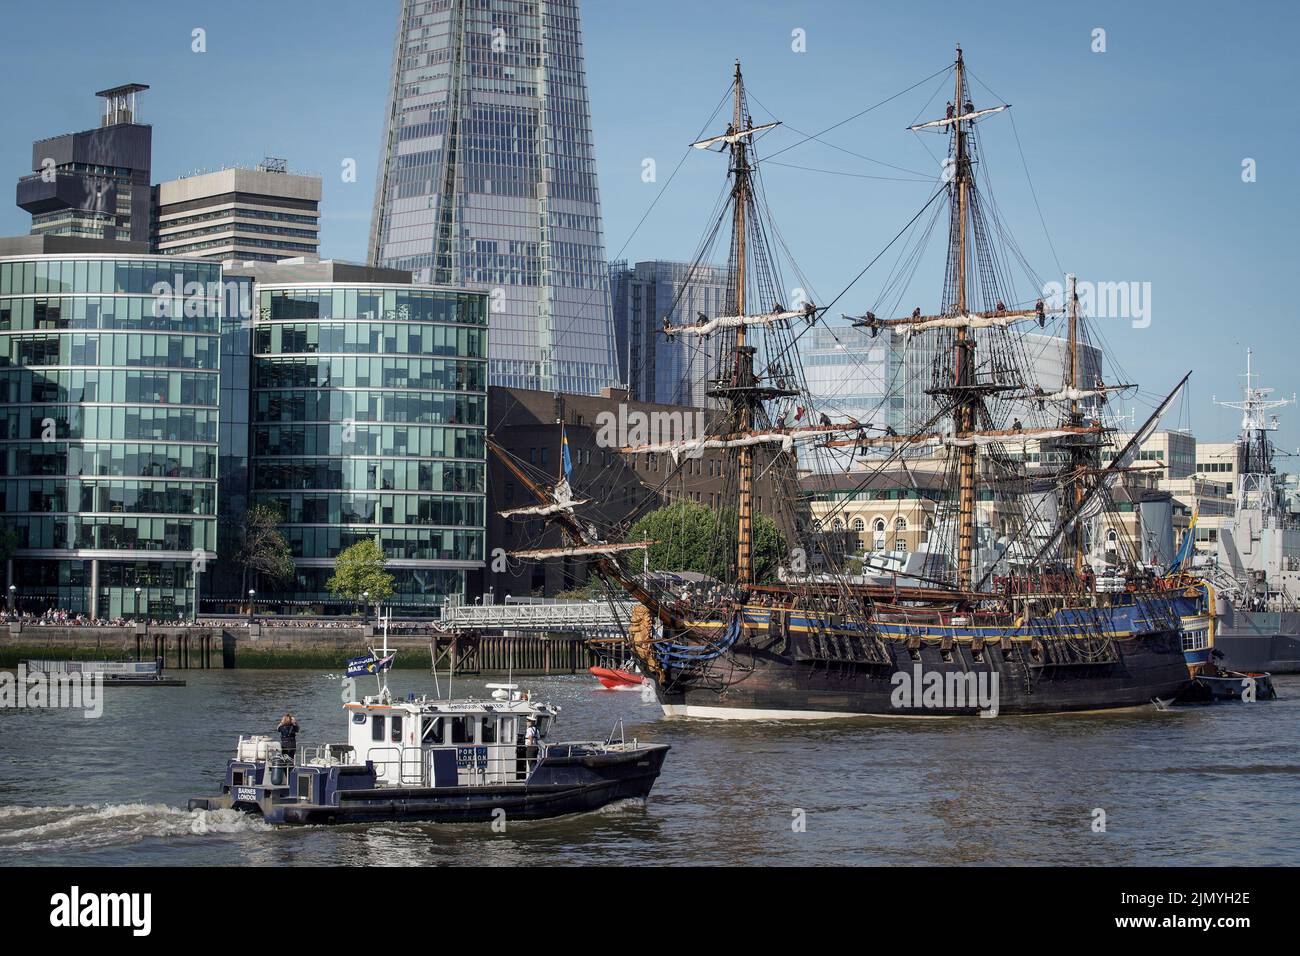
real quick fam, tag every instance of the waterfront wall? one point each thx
(269, 646)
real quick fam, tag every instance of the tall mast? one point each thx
(963, 356)
(1076, 485)
(743, 371)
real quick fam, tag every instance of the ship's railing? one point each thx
(325, 755)
(567, 615)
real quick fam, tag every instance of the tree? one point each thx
(263, 551)
(359, 570)
(692, 537)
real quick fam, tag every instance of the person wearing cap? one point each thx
(531, 739)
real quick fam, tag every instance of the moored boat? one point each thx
(112, 673)
(625, 677)
(1034, 596)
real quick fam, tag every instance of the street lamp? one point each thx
(13, 596)
(251, 594)
(137, 602)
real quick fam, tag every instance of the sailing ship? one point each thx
(1027, 614)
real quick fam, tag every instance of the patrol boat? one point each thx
(442, 760)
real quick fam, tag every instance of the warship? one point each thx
(1256, 563)
(1019, 610)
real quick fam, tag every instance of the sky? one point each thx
(1134, 154)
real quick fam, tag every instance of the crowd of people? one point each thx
(55, 617)
(52, 617)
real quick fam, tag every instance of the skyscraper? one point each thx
(93, 184)
(655, 368)
(487, 180)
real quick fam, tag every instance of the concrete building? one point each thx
(93, 184)
(487, 180)
(367, 413)
(263, 214)
(108, 438)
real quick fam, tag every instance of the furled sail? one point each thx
(948, 121)
(563, 502)
(694, 447)
(604, 548)
(709, 326)
(1069, 394)
(729, 138)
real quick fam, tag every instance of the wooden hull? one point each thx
(779, 672)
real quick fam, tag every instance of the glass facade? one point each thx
(487, 180)
(673, 372)
(368, 413)
(108, 434)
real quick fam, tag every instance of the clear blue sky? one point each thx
(1135, 153)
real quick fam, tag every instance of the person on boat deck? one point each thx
(288, 731)
(530, 739)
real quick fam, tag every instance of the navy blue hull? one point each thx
(565, 781)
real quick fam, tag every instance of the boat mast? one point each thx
(743, 368)
(1076, 484)
(963, 355)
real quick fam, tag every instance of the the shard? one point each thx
(487, 180)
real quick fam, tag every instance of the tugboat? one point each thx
(442, 760)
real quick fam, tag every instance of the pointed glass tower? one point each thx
(487, 180)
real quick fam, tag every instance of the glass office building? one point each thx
(368, 418)
(655, 369)
(108, 431)
(487, 180)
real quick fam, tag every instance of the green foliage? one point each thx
(263, 552)
(692, 537)
(360, 570)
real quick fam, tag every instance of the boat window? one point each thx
(488, 735)
(377, 727)
(462, 730)
(432, 732)
(396, 731)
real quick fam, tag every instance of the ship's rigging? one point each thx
(978, 386)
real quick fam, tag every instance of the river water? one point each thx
(1206, 785)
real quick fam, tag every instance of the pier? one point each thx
(529, 642)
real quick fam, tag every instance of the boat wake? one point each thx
(93, 826)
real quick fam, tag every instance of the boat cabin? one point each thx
(446, 743)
